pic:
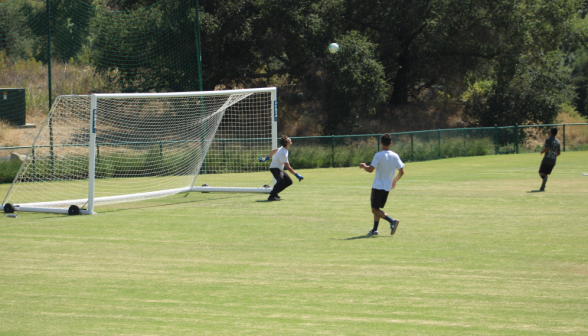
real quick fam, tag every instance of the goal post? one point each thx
(112, 148)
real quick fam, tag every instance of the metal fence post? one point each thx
(564, 137)
(48, 4)
(379, 140)
(496, 138)
(465, 146)
(34, 167)
(516, 127)
(411, 146)
(224, 156)
(439, 136)
(161, 153)
(333, 151)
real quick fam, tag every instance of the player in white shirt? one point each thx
(279, 161)
(385, 164)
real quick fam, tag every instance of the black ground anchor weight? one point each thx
(8, 208)
(73, 210)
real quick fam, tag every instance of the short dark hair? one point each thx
(386, 139)
(553, 131)
(284, 140)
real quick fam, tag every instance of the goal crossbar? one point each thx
(182, 94)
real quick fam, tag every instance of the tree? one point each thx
(528, 74)
(351, 83)
(147, 50)
(533, 95)
(580, 81)
(440, 42)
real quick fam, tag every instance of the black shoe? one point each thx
(272, 198)
(394, 226)
(372, 233)
(278, 197)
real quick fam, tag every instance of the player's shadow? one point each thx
(362, 237)
(535, 191)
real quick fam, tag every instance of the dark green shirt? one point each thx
(553, 144)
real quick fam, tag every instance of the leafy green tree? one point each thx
(580, 81)
(351, 83)
(441, 42)
(530, 79)
(232, 35)
(127, 5)
(147, 50)
(70, 28)
(19, 30)
(533, 95)
(347, 84)
(505, 51)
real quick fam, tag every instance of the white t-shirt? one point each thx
(386, 163)
(279, 159)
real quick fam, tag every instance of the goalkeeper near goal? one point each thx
(279, 161)
(385, 164)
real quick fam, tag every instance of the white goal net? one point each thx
(112, 148)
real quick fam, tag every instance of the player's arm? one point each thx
(545, 150)
(274, 151)
(558, 152)
(367, 168)
(287, 166)
(398, 177)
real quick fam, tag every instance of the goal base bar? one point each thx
(52, 207)
(47, 210)
(233, 190)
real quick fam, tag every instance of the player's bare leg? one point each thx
(379, 214)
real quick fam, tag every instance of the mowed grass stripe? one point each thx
(476, 253)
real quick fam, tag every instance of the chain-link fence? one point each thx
(351, 150)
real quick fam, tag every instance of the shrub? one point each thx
(8, 170)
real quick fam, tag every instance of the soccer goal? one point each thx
(112, 148)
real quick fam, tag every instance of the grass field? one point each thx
(476, 253)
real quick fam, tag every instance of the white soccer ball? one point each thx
(333, 48)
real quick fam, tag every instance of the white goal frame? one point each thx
(91, 200)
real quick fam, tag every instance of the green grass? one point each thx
(476, 253)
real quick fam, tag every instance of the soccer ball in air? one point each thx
(333, 48)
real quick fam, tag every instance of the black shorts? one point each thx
(545, 169)
(379, 198)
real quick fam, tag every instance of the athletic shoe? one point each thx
(272, 198)
(278, 197)
(372, 233)
(394, 226)
(542, 189)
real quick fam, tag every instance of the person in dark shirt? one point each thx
(551, 152)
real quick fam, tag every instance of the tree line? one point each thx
(504, 61)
